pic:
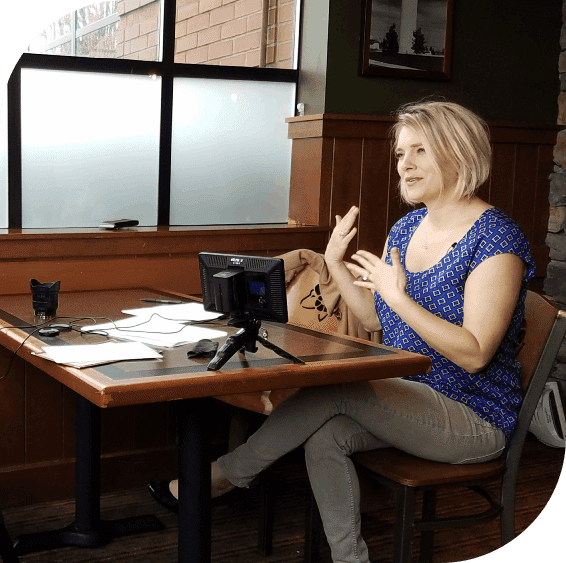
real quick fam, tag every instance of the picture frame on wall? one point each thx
(408, 39)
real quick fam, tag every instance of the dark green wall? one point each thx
(505, 61)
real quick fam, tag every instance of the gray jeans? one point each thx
(333, 422)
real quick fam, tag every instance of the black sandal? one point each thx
(159, 490)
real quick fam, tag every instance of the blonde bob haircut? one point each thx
(456, 138)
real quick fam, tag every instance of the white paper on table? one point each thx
(91, 354)
(138, 324)
(189, 334)
(184, 312)
(155, 331)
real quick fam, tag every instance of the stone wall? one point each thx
(555, 282)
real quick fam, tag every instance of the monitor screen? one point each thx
(244, 286)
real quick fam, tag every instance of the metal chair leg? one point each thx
(7, 551)
(404, 525)
(313, 532)
(427, 538)
(266, 514)
(508, 512)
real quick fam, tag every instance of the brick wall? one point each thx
(138, 30)
(555, 282)
(248, 33)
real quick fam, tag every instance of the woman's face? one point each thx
(420, 179)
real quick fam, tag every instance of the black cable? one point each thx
(95, 332)
(18, 348)
(129, 328)
(36, 329)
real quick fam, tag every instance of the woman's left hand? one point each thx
(375, 274)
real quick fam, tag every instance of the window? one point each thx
(103, 98)
(231, 159)
(95, 154)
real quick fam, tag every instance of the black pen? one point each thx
(162, 301)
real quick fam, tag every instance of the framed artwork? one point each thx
(408, 38)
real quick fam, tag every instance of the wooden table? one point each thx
(329, 358)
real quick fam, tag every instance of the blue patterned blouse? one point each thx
(494, 393)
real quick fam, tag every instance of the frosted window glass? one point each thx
(231, 158)
(3, 164)
(90, 148)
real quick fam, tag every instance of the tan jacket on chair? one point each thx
(313, 301)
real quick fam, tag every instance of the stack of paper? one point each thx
(95, 354)
(161, 326)
(185, 312)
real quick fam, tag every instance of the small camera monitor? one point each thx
(244, 287)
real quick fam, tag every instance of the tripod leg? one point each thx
(244, 338)
(279, 351)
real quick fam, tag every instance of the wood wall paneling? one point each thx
(154, 435)
(525, 199)
(117, 429)
(12, 413)
(346, 174)
(69, 423)
(502, 177)
(44, 426)
(311, 181)
(346, 180)
(306, 182)
(375, 193)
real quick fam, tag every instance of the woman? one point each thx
(451, 284)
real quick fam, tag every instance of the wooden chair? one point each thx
(406, 474)
(7, 551)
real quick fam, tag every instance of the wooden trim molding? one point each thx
(377, 126)
(44, 244)
(153, 257)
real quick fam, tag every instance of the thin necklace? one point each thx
(426, 244)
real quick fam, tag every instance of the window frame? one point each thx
(167, 69)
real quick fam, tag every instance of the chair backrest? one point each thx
(540, 317)
(305, 304)
(545, 327)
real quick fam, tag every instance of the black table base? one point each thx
(102, 534)
(193, 421)
(88, 530)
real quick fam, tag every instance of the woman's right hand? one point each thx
(343, 233)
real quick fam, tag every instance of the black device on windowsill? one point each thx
(249, 289)
(115, 224)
